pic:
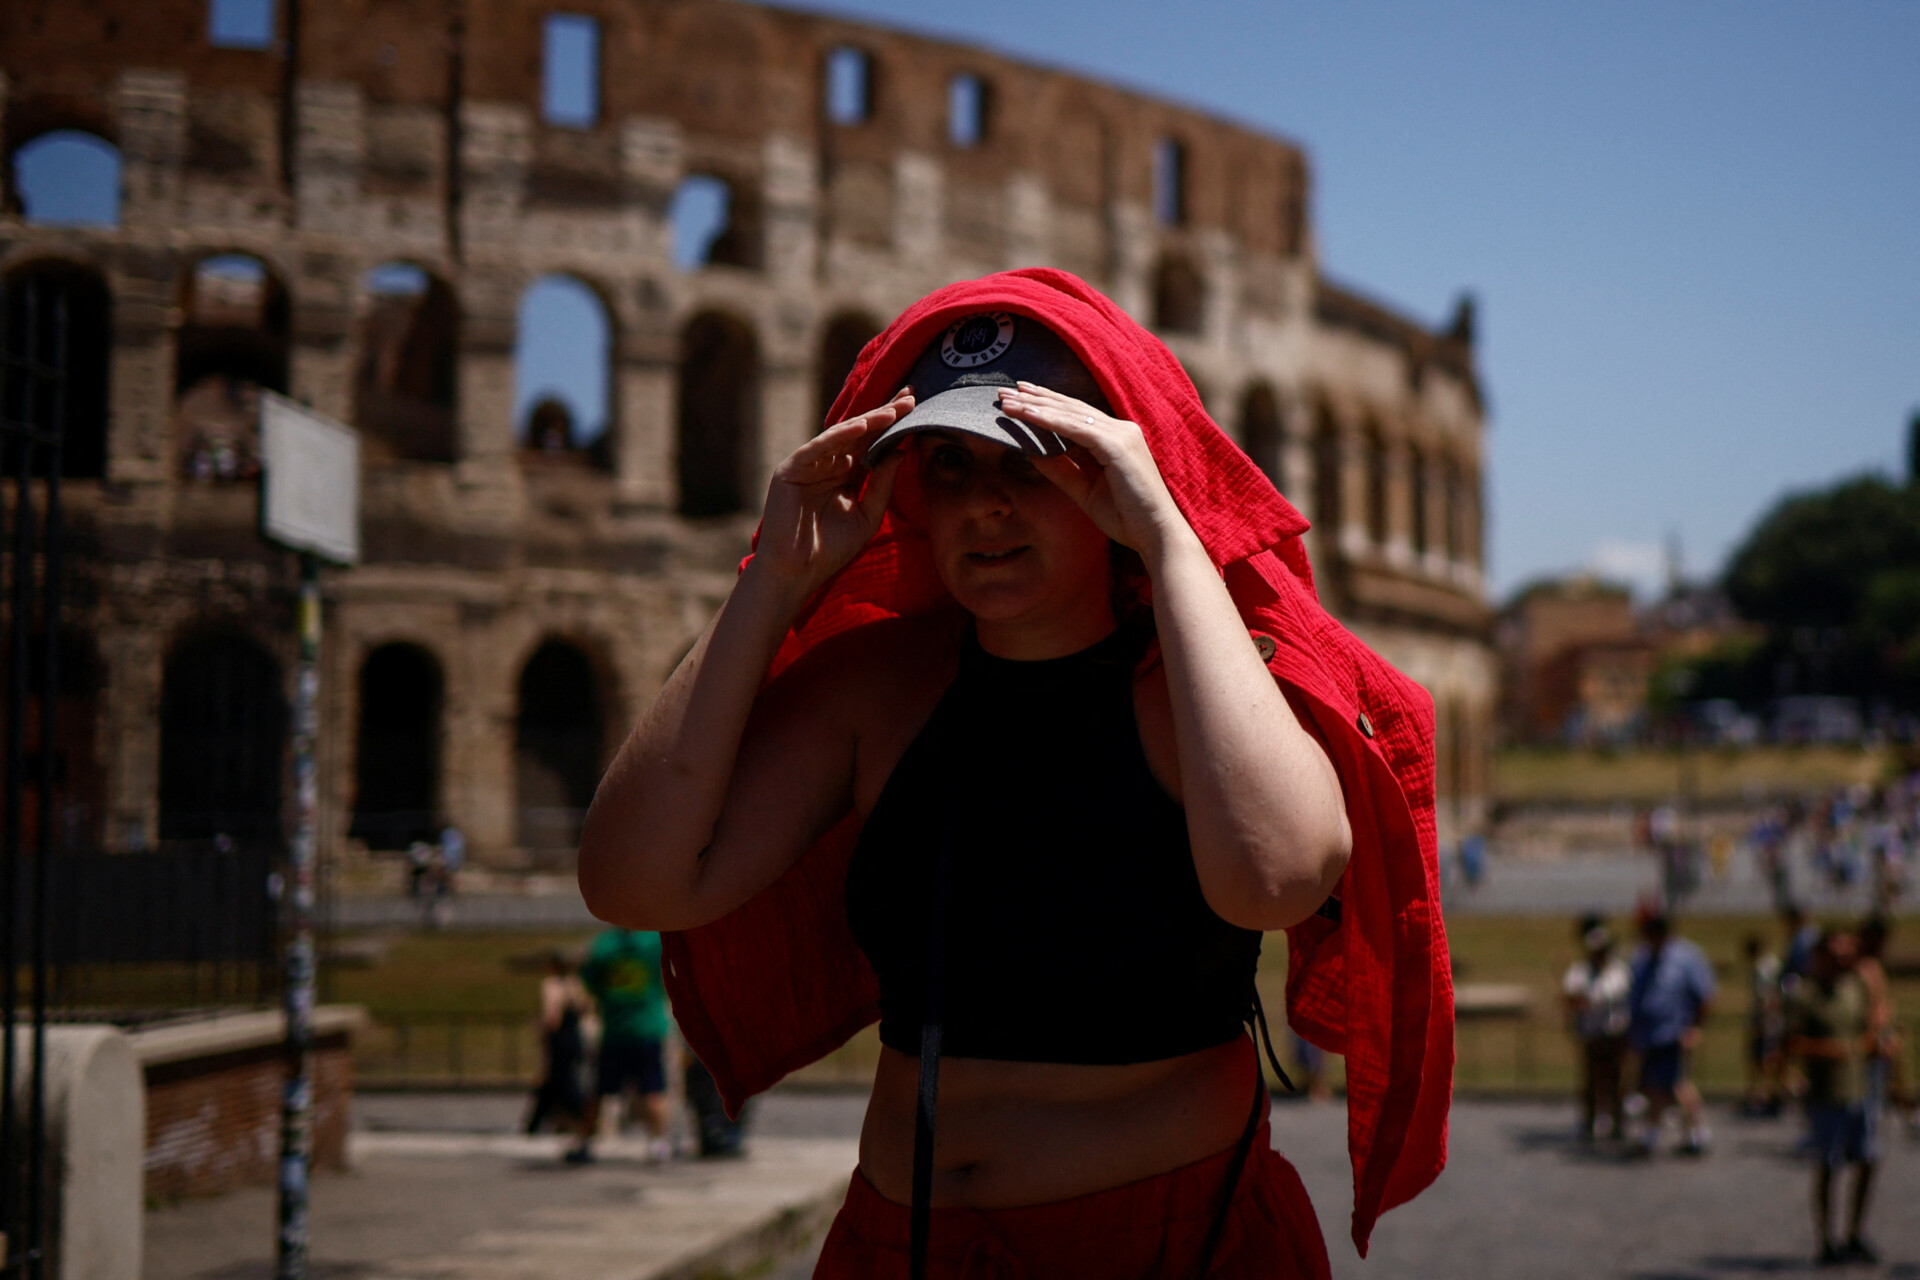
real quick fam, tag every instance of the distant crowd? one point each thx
(1856, 835)
(1820, 1029)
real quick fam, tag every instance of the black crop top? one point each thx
(1076, 930)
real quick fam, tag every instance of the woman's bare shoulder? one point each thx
(874, 665)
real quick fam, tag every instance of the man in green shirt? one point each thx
(622, 973)
(1830, 1028)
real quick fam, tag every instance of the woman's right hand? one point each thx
(824, 502)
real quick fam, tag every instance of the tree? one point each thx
(1913, 450)
(1811, 560)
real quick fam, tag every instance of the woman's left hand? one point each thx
(1107, 469)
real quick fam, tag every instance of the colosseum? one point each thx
(354, 202)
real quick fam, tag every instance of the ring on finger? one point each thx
(1089, 419)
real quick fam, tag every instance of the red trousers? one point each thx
(1153, 1229)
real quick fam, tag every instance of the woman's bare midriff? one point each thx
(1023, 1133)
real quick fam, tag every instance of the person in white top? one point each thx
(1596, 988)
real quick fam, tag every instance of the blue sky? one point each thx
(1693, 229)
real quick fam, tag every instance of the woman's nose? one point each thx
(986, 494)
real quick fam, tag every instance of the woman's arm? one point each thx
(722, 785)
(1265, 811)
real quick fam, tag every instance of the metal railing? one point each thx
(442, 1050)
(33, 359)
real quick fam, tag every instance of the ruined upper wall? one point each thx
(727, 74)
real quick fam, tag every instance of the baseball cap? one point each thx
(958, 379)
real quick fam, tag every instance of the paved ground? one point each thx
(1609, 882)
(442, 1191)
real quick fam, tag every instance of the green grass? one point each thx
(467, 1003)
(1648, 776)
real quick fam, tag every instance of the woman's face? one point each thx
(1010, 545)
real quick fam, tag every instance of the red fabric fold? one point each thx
(779, 982)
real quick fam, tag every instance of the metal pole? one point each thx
(296, 1115)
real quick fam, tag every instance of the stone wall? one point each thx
(412, 131)
(214, 1091)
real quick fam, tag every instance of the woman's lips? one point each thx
(997, 556)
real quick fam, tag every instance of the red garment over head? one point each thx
(779, 982)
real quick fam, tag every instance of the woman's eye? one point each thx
(950, 457)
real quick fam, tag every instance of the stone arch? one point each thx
(1417, 469)
(407, 381)
(223, 734)
(65, 177)
(1179, 295)
(1379, 490)
(1262, 433)
(234, 341)
(841, 342)
(564, 354)
(716, 221)
(559, 741)
(402, 692)
(79, 782)
(60, 313)
(718, 428)
(1329, 507)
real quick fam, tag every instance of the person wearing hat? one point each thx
(983, 705)
(1595, 989)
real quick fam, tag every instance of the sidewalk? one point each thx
(465, 1205)
(443, 1191)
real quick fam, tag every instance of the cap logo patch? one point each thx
(977, 340)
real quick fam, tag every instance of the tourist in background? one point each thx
(622, 973)
(1766, 1029)
(1595, 988)
(1671, 991)
(1831, 1023)
(561, 1094)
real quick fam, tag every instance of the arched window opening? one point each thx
(715, 224)
(1417, 487)
(233, 342)
(570, 71)
(558, 736)
(223, 729)
(79, 783)
(396, 797)
(840, 346)
(562, 369)
(1260, 428)
(409, 363)
(240, 24)
(68, 178)
(1170, 183)
(1453, 515)
(719, 418)
(1179, 296)
(1328, 510)
(59, 314)
(849, 85)
(1376, 488)
(967, 107)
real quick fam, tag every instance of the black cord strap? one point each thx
(1266, 1036)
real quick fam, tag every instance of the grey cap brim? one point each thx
(974, 410)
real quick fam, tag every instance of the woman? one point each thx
(1034, 768)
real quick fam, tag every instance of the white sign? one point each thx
(310, 492)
